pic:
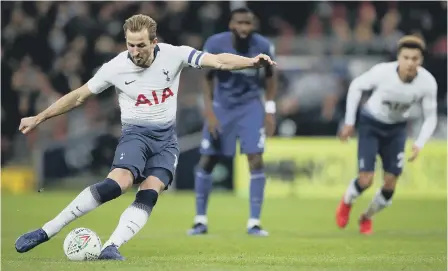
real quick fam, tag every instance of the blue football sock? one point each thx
(203, 187)
(257, 184)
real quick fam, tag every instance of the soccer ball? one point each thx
(82, 244)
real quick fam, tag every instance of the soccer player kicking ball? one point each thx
(397, 86)
(146, 78)
(234, 109)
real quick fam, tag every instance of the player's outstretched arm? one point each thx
(61, 106)
(98, 83)
(270, 108)
(227, 61)
(428, 127)
(429, 106)
(212, 120)
(364, 82)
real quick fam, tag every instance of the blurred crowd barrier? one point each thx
(302, 167)
(49, 48)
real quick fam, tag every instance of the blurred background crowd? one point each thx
(50, 48)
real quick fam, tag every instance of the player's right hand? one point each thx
(28, 124)
(346, 132)
(213, 124)
(262, 60)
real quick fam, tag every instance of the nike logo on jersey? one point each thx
(127, 83)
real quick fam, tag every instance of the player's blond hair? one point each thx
(412, 41)
(140, 22)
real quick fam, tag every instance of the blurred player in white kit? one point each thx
(397, 86)
(146, 79)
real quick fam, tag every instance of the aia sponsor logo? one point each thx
(154, 98)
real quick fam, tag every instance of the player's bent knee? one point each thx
(158, 180)
(106, 190)
(365, 179)
(207, 163)
(390, 181)
(123, 177)
(255, 161)
(153, 183)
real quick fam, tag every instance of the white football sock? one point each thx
(82, 204)
(351, 193)
(378, 203)
(131, 222)
(201, 219)
(252, 222)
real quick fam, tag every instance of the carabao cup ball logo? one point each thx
(83, 240)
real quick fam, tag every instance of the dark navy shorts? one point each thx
(386, 140)
(146, 152)
(244, 122)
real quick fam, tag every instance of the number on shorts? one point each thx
(400, 158)
(175, 161)
(361, 163)
(261, 139)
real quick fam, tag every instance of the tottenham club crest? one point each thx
(167, 75)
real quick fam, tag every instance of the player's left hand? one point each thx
(415, 152)
(269, 124)
(28, 124)
(346, 132)
(263, 60)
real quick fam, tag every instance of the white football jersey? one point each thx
(147, 96)
(392, 99)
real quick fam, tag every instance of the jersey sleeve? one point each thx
(190, 56)
(429, 106)
(364, 82)
(369, 79)
(101, 80)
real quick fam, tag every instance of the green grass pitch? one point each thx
(410, 235)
